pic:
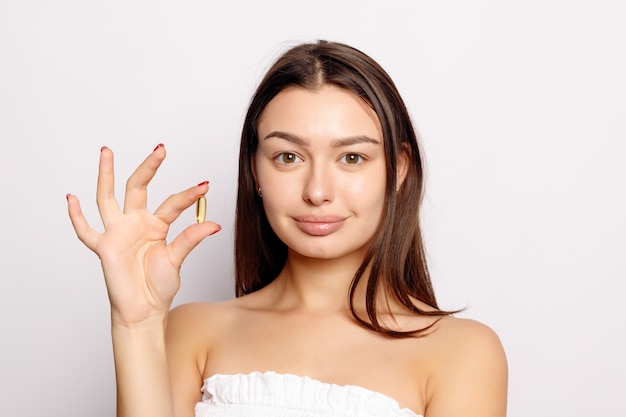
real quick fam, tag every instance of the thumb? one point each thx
(189, 238)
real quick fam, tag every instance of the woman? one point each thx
(335, 313)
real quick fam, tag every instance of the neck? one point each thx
(319, 284)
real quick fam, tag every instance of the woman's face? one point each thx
(320, 163)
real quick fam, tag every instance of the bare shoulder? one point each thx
(462, 334)
(198, 322)
(191, 331)
(193, 313)
(470, 345)
(469, 374)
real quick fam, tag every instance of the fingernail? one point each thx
(203, 183)
(67, 196)
(103, 148)
(158, 146)
(218, 229)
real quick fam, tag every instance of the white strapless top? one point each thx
(282, 395)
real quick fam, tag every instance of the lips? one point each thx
(319, 225)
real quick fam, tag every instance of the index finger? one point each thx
(136, 197)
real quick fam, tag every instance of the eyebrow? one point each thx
(337, 143)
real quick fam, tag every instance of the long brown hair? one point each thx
(396, 255)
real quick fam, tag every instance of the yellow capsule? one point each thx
(201, 209)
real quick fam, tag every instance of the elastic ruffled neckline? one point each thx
(287, 391)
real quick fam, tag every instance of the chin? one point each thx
(328, 250)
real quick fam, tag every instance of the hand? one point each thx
(141, 270)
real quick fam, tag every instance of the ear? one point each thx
(402, 167)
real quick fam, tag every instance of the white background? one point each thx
(522, 109)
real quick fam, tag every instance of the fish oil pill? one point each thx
(201, 209)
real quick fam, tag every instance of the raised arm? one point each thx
(141, 272)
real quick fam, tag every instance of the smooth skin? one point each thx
(321, 167)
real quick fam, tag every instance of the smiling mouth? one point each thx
(319, 225)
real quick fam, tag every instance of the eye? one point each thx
(287, 158)
(352, 159)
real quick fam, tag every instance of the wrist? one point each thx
(152, 323)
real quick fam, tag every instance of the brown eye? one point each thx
(287, 158)
(352, 158)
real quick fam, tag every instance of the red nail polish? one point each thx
(103, 148)
(203, 183)
(157, 147)
(218, 229)
(67, 196)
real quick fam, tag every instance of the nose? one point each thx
(319, 187)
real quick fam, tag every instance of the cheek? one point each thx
(368, 189)
(280, 189)
(280, 194)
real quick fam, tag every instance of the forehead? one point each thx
(326, 112)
